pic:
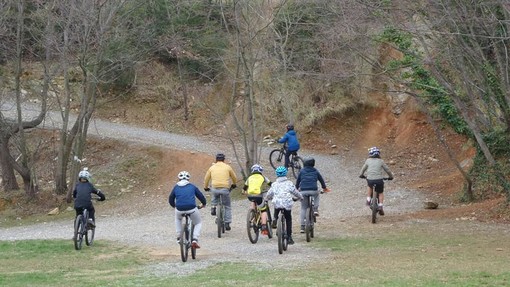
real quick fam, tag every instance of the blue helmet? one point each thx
(281, 171)
(374, 151)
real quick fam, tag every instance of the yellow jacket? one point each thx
(218, 176)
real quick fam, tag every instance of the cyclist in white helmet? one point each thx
(182, 198)
(82, 194)
(374, 170)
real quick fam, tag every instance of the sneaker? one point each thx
(91, 223)
(227, 226)
(194, 244)
(273, 224)
(302, 230)
(178, 240)
(316, 213)
(368, 202)
(290, 241)
(213, 211)
(381, 211)
(264, 230)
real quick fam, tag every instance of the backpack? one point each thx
(254, 183)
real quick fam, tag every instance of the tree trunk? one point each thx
(9, 181)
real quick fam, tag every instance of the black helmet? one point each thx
(290, 127)
(309, 162)
(220, 156)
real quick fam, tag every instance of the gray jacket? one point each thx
(375, 168)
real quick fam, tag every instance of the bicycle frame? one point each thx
(310, 219)
(254, 222)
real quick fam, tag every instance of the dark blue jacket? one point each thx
(308, 177)
(292, 142)
(183, 196)
(82, 194)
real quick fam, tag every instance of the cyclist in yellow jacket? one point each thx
(220, 178)
(253, 188)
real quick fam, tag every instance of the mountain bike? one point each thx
(310, 219)
(83, 228)
(374, 202)
(186, 236)
(254, 223)
(277, 156)
(281, 232)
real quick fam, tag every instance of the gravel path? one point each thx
(340, 210)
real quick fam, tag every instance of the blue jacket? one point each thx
(183, 196)
(308, 177)
(292, 142)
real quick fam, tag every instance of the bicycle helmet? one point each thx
(256, 168)
(374, 151)
(184, 175)
(290, 127)
(220, 156)
(281, 171)
(309, 162)
(84, 174)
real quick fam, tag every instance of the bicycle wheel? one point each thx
(280, 227)
(296, 165)
(269, 223)
(374, 203)
(309, 223)
(184, 242)
(78, 234)
(252, 226)
(220, 220)
(193, 249)
(276, 158)
(285, 235)
(89, 234)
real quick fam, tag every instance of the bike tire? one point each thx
(252, 226)
(296, 165)
(220, 222)
(373, 205)
(275, 158)
(280, 227)
(89, 235)
(193, 249)
(184, 242)
(309, 224)
(78, 234)
(269, 223)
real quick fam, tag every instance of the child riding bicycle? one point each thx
(182, 198)
(253, 187)
(283, 192)
(375, 169)
(82, 195)
(292, 141)
(306, 183)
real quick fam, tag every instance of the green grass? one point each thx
(404, 255)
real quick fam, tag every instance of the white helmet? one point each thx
(84, 174)
(256, 168)
(184, 175)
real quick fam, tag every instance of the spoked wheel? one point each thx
(184, 243)
(268, 224)
(220, 221)
(89, 235)
(373, 205)
(252, 226)
(193, 249)
(280, 226)
(309, 224)
(78, 234)
(276, 158)
(296, 165)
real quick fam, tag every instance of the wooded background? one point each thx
(254, 64)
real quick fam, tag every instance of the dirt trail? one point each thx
(340, 210)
